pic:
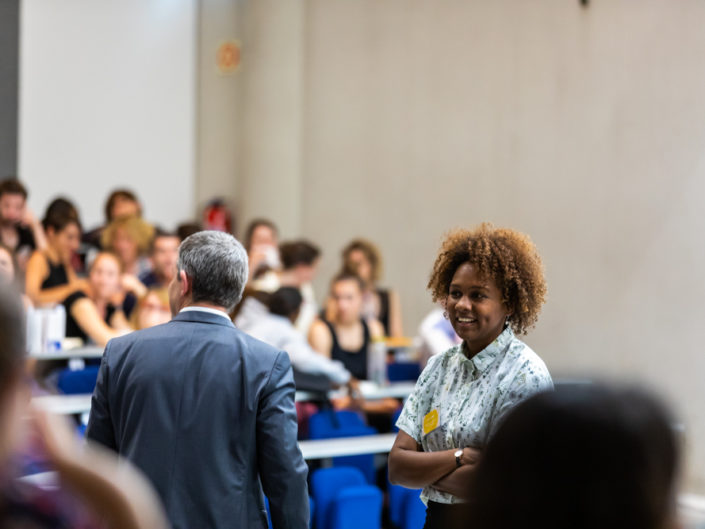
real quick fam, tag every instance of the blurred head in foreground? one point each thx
(586, 456)
(13, 396)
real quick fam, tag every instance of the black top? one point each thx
(57, 275)
(73, 329)
(25, 241)
(383, 316)
(354, 361)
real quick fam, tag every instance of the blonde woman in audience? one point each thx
(364, 259)
(491, 283)
(90, 312)
(94, 491)
(130, 239)
(153, 309)
(50, 277)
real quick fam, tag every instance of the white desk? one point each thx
(75, 404)
(347, 446)
(64, 404)
(369, 390)
(67, 354)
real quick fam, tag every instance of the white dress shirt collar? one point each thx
(205, 309)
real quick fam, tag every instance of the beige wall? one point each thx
(219, 103)
(583, 128)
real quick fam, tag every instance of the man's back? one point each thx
(206, 412)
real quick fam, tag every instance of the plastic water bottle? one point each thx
(377, 362)
(55, 329)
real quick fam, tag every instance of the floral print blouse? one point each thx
(459, 402)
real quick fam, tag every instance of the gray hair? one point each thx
(216, 264)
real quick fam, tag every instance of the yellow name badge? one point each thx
(430, 422)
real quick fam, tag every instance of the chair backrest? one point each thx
(414, 511)
(331, 424)
(326, 483)
(357, 508)
(76, 382)
(328, 424)
(403, 371)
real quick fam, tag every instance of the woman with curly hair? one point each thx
(491, 283)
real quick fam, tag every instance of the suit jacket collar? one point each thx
(202, 317)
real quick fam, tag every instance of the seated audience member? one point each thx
(164, 253)
(153, 309)
(436, 335)
(8, 272)
(130, 238)
(348, 337)
(187, 228)
(299, 264)
(90, 312)
(253, 306)
(103, 493)
(363, 258)
(261, 239)
(8, 265)
(120, 203)
(277, 329)
(584, 457)
(50, 277)
(20, 230)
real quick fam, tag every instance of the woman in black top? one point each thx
(90, 312)
(348, 335)
(50, 278)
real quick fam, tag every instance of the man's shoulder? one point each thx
(178, 335)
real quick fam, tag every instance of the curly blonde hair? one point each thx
(138, 230)
(503, 255)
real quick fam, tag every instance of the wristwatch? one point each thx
(458, 453)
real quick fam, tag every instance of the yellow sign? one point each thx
(430, 422)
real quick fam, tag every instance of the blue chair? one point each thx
(403, 371)
(414, 510)
(406, 510)
(396, 495)
(340, 493)
(357, 508)
(73, 382)
(330, 424)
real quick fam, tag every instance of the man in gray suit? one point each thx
(204, 410)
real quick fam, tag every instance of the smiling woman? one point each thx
(491, 283)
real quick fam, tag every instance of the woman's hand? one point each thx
(131, 283)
